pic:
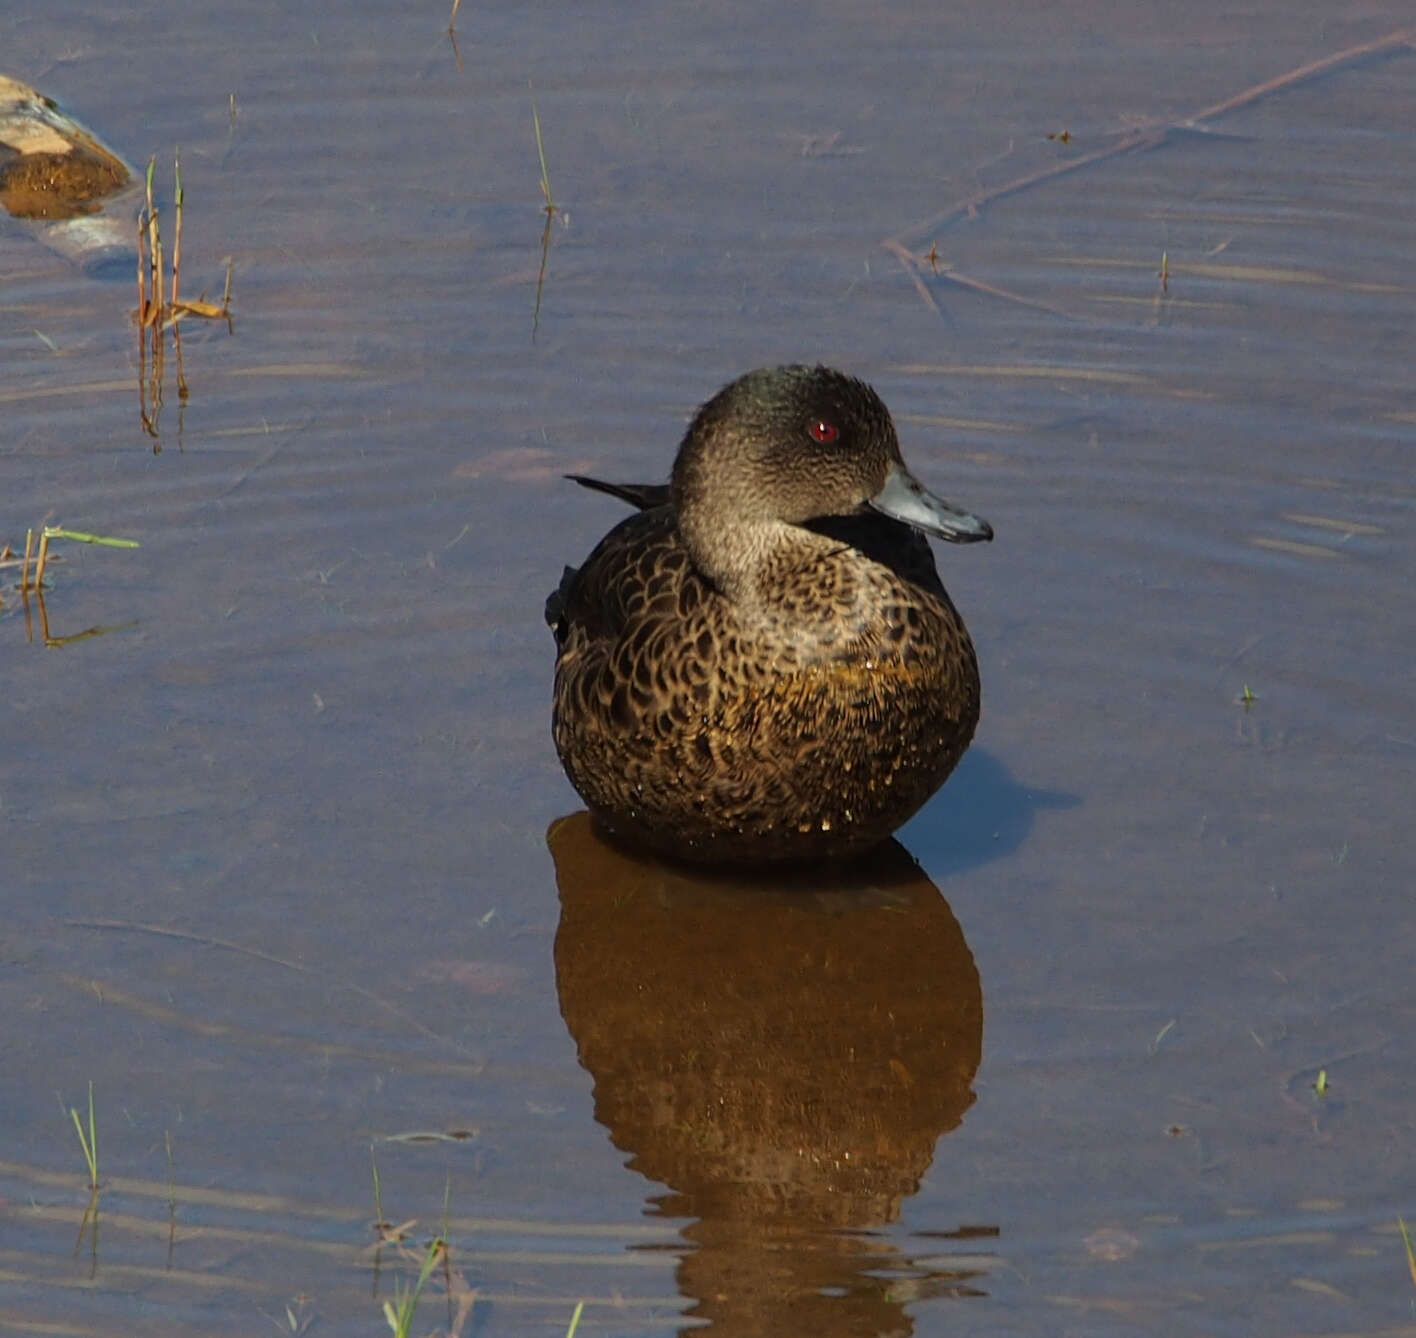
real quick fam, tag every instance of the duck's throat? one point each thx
(754, 563)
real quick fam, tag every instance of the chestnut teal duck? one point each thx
(761, 663)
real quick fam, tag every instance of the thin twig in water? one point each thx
(550, 205)
(1410, 1253)
(155, 313)
(88, 1142)
(171, 1199)
(228, 945)
(912, 264)
(541, 275)
(550, 211)
(177, 240)
(1139, 140)
(154, 246)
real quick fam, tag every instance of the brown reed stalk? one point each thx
(177, 241)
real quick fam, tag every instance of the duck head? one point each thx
(782, 446)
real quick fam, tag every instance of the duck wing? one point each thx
(641, 496)
(557, 600)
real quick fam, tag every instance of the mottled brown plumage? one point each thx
(762, 664)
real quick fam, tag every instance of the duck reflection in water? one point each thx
(783, 1054)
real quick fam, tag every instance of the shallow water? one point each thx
(278, 880)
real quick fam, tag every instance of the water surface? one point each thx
(277, 872)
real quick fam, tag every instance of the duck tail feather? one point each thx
(643, 496)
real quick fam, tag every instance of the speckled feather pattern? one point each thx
(814, 726)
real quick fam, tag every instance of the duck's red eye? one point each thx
(823, 431)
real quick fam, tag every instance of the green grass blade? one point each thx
(93, 1139)
(80, 537)
(378, 1194)
(88, 1141)
(541, 153)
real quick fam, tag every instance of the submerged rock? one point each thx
(59, 177)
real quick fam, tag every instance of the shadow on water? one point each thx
(783, 1056)
(981, 815)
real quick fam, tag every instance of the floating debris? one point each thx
(56, 173)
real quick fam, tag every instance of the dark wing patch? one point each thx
(902, 549)
(557, 600)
